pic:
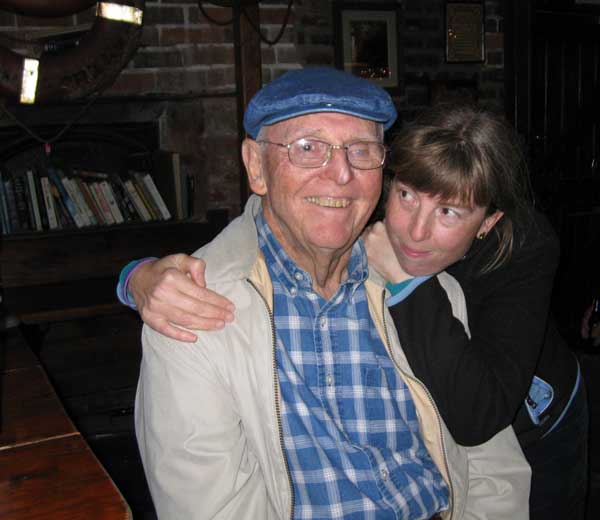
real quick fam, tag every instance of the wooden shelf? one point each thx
(73, 274)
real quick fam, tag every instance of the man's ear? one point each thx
(490, 221)
(252, 157)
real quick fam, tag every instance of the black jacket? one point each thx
(480, 384)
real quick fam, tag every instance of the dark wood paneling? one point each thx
(73, 275)
(31, 260)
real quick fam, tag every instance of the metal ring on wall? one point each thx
(75, 72)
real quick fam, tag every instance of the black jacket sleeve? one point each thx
(479, 383)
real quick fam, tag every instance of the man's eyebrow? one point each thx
(317, 133)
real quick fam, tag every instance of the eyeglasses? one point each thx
(312, 153)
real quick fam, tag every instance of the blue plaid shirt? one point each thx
(349, 424)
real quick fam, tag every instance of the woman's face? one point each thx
(427, 233)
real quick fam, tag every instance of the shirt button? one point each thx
(329, 379)
(299, 276)
(293, 291)
(384, 474)
(323, 322)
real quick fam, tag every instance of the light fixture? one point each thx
(29, 81)
(120, 13)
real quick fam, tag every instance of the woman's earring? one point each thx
(481, 235)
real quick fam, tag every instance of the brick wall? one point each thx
(423, 39)
(189, 59)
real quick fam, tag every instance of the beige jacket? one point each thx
(208, 421)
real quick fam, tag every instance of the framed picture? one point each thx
(367, 42)
(464, 32)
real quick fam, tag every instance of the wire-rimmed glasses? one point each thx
(314, 153)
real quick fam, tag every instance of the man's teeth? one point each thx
(328, 202)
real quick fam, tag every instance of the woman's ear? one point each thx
(490, 221)
(252, 157)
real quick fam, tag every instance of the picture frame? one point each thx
(367, 42)
(465, 32)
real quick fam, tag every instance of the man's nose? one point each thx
(338, 168)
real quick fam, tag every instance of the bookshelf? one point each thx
(61, 272)
(93, 179)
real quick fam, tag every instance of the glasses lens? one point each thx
(312, 153)
(308, 153)
(365, 155)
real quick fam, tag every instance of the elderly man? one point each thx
(305, 406)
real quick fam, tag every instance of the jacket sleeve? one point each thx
(499, 480)
(190, 437)
(478, 383)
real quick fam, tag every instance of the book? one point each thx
(40, 198)
(136, 179)
(49, 203)
(63, 214)
(21, 201)
(123, 200)
(164, 211)
(13, 216)
(4, 208)
(90, 176)
(34, 201)
(112, 203)
(4, 223)
(170, 180)
(102, 203)
(152, 190)
(189, 188)
(55, 177)
(77, 197)
(137, 201)
(96, 214)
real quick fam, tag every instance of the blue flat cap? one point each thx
(318, 89)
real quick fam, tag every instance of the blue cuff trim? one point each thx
(567, 406)
(403, 290)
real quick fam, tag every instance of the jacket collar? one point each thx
(221, 264)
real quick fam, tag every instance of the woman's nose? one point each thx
(420, 228)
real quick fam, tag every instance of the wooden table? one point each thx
(47, 470)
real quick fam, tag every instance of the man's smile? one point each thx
(329, 202)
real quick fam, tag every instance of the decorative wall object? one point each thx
(465, 32)
(367, 42)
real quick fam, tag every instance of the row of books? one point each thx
(51, 199)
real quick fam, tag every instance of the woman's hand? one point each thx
(381, 253)
(171, 293)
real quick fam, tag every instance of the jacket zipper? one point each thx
(277, 404)
(435, 408)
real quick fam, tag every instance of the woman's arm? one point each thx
(480, 382)
(171, 293)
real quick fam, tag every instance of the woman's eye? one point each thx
(449, 212)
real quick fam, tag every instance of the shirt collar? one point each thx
(291, 275)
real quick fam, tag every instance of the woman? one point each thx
(457, 202)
